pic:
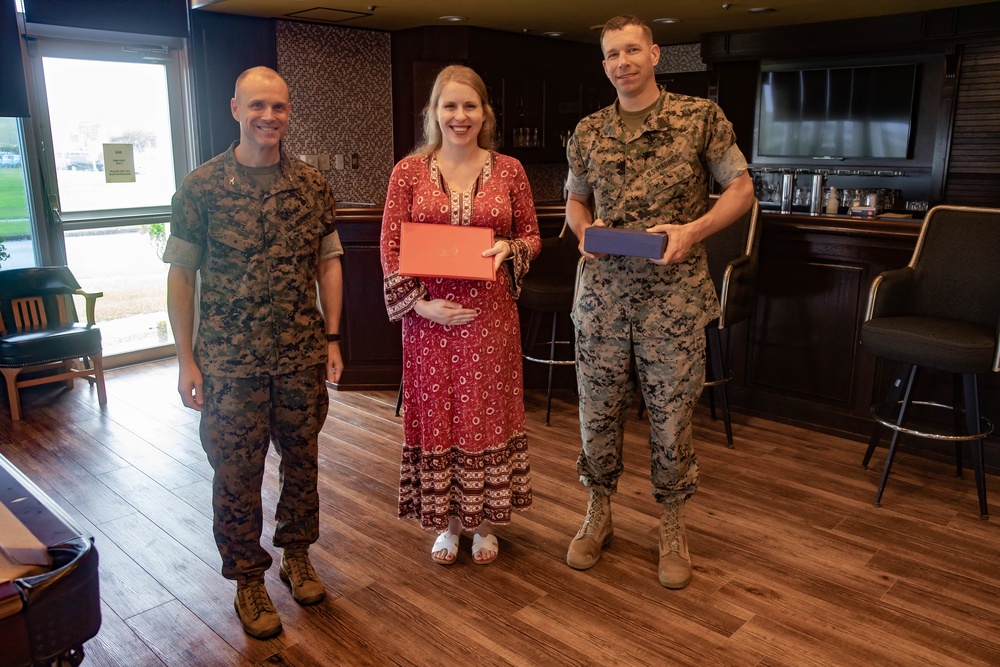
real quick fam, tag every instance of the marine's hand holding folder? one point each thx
(445, 251)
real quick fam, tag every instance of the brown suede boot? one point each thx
(596, 532)
(675, 560)
(256, 611)
(297, 571)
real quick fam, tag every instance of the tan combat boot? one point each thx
(297, 571)
(256, 611)
(596, 532)
(675, 560)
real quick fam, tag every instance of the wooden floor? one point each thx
(793, 564)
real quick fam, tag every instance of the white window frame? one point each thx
(57, 41)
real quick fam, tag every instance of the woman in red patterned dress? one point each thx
(465, 455)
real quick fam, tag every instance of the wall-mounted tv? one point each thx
(836, 112)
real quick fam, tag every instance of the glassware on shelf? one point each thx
(526, 137)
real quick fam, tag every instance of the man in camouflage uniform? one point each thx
(259, 226)
(644, 163)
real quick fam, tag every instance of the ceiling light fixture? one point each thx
(553, 33)
(599, 26)
(666, 20)
(453, 19)
(760, 10)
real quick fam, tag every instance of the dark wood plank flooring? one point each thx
(793, 564)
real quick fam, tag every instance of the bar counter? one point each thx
(799, 357)
(797, 360)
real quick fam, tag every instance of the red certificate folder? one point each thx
(445, 251)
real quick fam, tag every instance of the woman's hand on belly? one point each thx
(445, 312)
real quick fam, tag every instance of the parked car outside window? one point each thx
(8, 159)
(82, 161)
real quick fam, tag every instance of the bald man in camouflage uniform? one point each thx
(644, 163)
(259, 226)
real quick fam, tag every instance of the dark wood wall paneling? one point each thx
(149, 17)
(800, 355)
(974, 162)
(14, 100)
(222, 47)
(880, 34)
(552, 98)
(737, 95)
(371, 345)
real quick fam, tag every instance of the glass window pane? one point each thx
(16, 247)
(94, 102)
(125, 263)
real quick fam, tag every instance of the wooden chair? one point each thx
(40, 335)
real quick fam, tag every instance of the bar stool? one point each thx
(941, 311)
(548, 289)
(732, 263)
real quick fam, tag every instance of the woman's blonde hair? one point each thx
(432, 131)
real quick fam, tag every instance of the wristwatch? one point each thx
(333, 337)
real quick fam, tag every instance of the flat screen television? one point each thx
(837, 112)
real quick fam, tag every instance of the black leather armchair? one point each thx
(39, 332)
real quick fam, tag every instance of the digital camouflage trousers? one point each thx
(671, 374)
(241, 417)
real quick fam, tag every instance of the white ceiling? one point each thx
(574, 18)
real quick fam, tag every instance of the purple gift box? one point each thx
(632, 242)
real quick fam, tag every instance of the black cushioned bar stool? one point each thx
(732, 263)
(548, 289)
(942, 311)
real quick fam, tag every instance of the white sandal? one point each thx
(482, 543)
(445, 542)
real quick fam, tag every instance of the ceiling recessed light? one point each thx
(553, 33)
(666, 20)
(453, 19)
(760, 10)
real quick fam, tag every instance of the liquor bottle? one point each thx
(831, 203)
